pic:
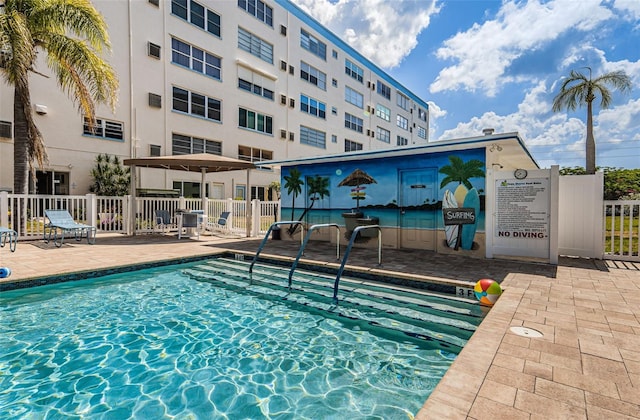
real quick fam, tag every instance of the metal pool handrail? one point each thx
(348, 250)
(304, 244)
(266, 236)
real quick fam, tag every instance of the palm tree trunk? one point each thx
(20, 142)
(590, 143)
(20, 154)
(293, 228)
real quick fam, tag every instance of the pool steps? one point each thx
(416, 314)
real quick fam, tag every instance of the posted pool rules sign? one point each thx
(522, 208)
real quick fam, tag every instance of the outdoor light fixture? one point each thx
(495, 147)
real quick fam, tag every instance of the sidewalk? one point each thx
(585, 365)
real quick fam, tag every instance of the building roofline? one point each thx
(319, 28)
(435, 146)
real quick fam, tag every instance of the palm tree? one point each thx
(73, 35)
(461, 172)
(318, 189)
(578, 90)
(110, 178)
(293, 184)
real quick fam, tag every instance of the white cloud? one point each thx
(630, 8)
(383, 31)
(484, 52)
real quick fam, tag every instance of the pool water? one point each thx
(187, 342)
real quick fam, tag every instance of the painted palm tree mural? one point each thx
(465, 196)
(293, 184)
(318, 188)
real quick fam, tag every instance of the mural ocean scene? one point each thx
(323, 192)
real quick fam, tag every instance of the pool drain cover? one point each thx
(526, 332)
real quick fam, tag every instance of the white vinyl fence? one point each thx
(621, 232)
(25, 213)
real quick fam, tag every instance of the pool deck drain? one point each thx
(586, 365)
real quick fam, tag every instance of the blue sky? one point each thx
(482, 64)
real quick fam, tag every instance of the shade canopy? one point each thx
(198, 162)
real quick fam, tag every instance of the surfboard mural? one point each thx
(464, 196)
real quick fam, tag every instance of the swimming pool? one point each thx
(197, 340)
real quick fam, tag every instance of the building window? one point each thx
(352, 122)
(402, 101)
(255, 45)
(352, 146)
(197, 14)
(254, 121)
(5, 129)
(313, 137)
(186, 145)
(255, 89)
(190, 189)
(353, 97)
(383, 135)
(253, 154)
(259, 10)
(422, 114)
(193, 58)
(334, 110)
(313, 44)
(354, 70)
(402, 122)
(106, 129)
(313, 107)
(383, 90)
(334, 138)
(401, 141)
(422, 132)
(313, 75)
(383, 112)
(196, 104)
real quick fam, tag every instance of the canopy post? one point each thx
(248, 205)
(203, 189)
(132, 207)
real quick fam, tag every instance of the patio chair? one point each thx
(8, 235)
(190, 223)
(162, 221)
(221, 224)
(60, 223)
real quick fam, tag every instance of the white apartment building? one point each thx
(249, 79)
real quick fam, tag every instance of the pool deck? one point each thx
(586, 365)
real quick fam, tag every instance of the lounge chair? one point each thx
(8, 235)
(60, 223)
(162, 220)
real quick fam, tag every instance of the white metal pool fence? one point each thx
(24, 213)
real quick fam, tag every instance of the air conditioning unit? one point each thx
(153, 50)
(155, 100)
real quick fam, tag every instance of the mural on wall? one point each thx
(407, 191)
(357, 179)
(461, 206)
(317, 189)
